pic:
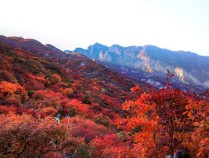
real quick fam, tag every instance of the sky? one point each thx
(67, 24)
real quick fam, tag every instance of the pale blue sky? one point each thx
(67, 24)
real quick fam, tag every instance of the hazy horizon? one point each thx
(67, 24)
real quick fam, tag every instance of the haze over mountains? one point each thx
(150, 63)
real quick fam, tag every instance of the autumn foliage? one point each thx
(62, 107)
(166, 120)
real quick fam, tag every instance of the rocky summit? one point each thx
(150, 64)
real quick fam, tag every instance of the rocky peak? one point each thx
(140, 62)
(98, 46)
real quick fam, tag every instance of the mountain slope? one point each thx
(37, 68)
(150, 64)
(67, 105)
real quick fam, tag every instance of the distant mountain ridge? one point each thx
(150, 63)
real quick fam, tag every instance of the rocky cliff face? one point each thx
(150, 64)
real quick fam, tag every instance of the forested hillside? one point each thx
(61, 105)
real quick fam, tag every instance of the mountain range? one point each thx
(150, 64)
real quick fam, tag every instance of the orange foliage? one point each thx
(168, 119)
(68, 91)
(7, 88)
(95, 88)
(78, 106)
(57, 77)
(151, 124)
(24, 136)
(48, 111)
(198, 113)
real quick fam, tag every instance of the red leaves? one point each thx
(136, 88)
(86, 129)
(110, 100)
(198, 113)
(110, 146)
(48, 111)
(168, 118)
(149, 125)
(78, 106)
(57, 78)
(23, 136)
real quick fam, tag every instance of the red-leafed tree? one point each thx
(198, 113)
(110, 146)
(78, 106)
(23, 136)
(163, 121)
(8, 89)
(85, 128)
